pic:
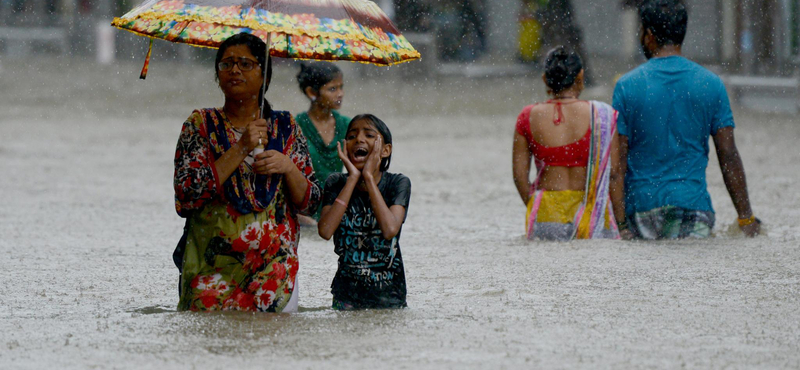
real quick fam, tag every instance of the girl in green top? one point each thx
(322, 125)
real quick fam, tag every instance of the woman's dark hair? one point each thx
(665, 19)
(259, 50)
(317, 74)
(561, 67)
(382, 129)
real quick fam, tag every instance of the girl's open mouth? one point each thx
(360, 154)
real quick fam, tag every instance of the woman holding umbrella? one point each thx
(241, 203)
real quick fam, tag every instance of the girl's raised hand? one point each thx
(351, 169)
(374, 159)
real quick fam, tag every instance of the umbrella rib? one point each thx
(185, 26)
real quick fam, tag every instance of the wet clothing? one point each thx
(575, 154)
(324, 157)
(240, 250)
(341, 306)
(587, 214)
(672, 223)
(668, 108)
(370, 272)
(556, 216)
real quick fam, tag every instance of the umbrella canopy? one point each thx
(354, 30)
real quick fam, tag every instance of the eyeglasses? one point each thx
(243, 63)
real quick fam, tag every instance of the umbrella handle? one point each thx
(143, 75)
(264, 83)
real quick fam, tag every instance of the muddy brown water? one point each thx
(87, 227)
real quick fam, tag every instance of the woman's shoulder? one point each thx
(340, 118)
(526, 111)
(535, 110)
(539, 110)
(207, 110)
(199, 116)
(301, 117)
(523, 126)
(304, 121)
(200, 112)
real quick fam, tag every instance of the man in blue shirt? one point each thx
(668, 107)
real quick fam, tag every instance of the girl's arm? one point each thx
(389, 219)
(331, 216)
(521, 165)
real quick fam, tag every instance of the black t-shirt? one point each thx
(370, 273)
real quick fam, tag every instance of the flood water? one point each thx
(87, 229)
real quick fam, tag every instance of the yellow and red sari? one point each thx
(574, 214)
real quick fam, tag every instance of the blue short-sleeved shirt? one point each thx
(667, 108)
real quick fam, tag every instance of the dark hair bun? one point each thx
(561, 67)
(316, 74)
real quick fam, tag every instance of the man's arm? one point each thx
(617, 188)
(733, 173)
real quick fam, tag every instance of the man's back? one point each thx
(668, 108)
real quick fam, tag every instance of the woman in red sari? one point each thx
(578, 189)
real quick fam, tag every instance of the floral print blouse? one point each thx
(242, 234)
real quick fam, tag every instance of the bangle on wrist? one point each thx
(340, 202)
(747, 221)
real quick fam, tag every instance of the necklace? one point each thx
(230, 124)
(230, 118)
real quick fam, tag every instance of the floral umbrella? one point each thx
(354, 30)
